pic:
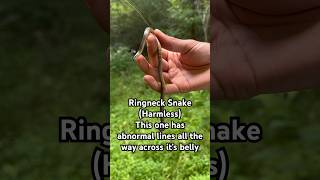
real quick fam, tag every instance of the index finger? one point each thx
(152, 45)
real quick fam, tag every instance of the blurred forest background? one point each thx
(52, 64)
(290, 149)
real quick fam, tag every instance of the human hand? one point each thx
(185, 64)
(233, 44)
(256, 51)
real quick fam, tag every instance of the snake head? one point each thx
(146, 33)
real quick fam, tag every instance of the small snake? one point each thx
(146, 33)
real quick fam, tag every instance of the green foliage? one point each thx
(126, 24)
(187, 16)
(154, 165)
(52, 64)
(121, 61)
(290, 146)
(178, 18)
(127, 82)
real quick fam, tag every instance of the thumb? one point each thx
(174, 44)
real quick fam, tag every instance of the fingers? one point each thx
(143, 64)
(146, 67)
(152, 46)
(165, 65)
(149, 70)
(155, 85)
(174, 44)
(164, 54)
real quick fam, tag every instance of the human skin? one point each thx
(181, 72)
(264, 47)
(186, 64)
(258, 47)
